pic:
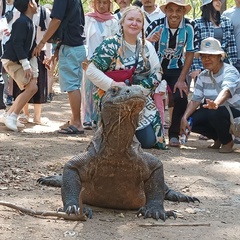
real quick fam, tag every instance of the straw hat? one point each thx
(210, 46)
(177, 2)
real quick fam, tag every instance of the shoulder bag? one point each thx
(124, 75)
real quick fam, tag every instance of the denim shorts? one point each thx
(70, 67)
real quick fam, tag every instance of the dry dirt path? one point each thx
(39, 151)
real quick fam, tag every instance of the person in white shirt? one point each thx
(122, 5)
(152, 12)
(99, 25)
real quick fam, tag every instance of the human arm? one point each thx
(191, 108)
(181, 82)
(222, 97)
(155, 36)
(101, 80)
(52, 28)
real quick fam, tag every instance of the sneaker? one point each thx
(94, 124)
(237, 140)
(87, 125)
(11, 123)
(50, 97)
(2, 116)
(9, 101)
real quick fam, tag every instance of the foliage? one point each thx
(194, 13)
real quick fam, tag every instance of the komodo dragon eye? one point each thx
(115, 90)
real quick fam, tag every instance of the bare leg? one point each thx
(37, 113)
(75, 104)
(26, 110)
(23, 98)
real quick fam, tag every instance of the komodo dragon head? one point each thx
(121, 106)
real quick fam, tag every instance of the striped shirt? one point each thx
(173, 44)
(227, 78)
(228, 40)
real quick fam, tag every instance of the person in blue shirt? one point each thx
(71, 51)
(176, 51)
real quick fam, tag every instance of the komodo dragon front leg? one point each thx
(155, 193)
(72, 185)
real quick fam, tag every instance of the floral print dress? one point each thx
(114, 54)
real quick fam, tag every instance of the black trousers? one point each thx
(2, 105)
(214, 124)
(180, 104)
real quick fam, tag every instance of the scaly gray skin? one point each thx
(114, 171)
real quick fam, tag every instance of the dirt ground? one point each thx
(194, 169)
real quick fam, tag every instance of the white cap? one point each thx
(210, 46)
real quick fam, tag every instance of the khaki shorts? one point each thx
(15, 70)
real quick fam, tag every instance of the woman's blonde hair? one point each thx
(124, 14)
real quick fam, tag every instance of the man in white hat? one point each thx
(177, 35)
(219, 84)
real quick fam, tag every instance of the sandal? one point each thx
(216, 145)
(71, 130)
(23, 118)
(202, 137)
(174, 142)
(227, 148)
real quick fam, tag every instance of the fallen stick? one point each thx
(175, 225)
(79, 217)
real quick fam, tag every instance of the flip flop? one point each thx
(71, 130)
(174, 142)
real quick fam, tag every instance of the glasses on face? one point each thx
(207, 56)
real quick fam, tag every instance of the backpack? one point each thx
(9, 15)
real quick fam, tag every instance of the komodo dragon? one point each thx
(114, 170)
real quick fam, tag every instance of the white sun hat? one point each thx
(177, 2)
(205, 2)
(210, 45)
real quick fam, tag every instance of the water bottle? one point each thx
(184, 137)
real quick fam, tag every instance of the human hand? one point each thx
(155, 37)
(6, 32)
(210, 104)
(114, 83)
(37, 50)
(183, 126)
(28, 74)
(182, 86)
(194, 74)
